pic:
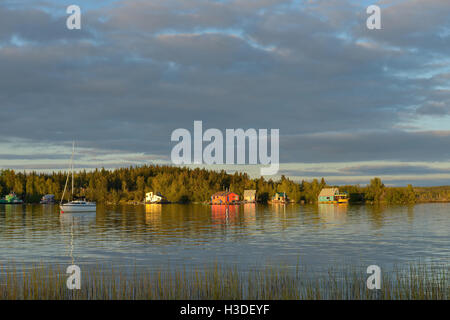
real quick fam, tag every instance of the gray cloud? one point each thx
(393, 182)
(361, 146)
(435, 108)
(393, 170)
(64, 166)
(408, 25)
(32, 156)
(308, 173)
(36, 26)
(369, 170)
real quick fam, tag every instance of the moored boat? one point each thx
(155, 198)
(11, 199)
(75, 205)
(280, 197)
(48, 199)
(78, 206)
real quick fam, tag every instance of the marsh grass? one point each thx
(225, 283)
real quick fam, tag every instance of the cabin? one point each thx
(250, 195)
(280, 197)
(157, 197)
(224, 197)
(332, 195)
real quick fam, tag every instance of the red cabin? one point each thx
(224, 197)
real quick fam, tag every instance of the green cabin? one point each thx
(280, 196)
(332, 195)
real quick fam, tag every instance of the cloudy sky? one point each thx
(350, 103)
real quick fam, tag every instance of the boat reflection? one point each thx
(72, 224)
(153, 208)
(333, 214)
(153, 214)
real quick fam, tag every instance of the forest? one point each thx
(179, 184)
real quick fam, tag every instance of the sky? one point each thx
(350, 103)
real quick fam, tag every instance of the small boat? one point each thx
(11, 199)
(280, 197)
(155, 198)
(48, 199)
(75, 205)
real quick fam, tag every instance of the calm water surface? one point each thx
(248, 236)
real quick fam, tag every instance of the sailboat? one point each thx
(75, 205)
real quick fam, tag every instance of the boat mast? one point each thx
(73, 152)
(67, 180)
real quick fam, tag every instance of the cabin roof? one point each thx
(249, 192)
(222, 193)
(328, 192)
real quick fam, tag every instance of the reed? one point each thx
(417, 281)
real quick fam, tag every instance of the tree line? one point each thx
(124, 185)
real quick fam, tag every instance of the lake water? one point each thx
(246, 236)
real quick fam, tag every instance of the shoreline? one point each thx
(237, 204)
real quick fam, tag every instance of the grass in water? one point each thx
(226, 283)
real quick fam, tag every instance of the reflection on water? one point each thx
(333, 214)
(225, 214)
(153, 208)
(153, 214)
(70, 223)
(249, 212)
(246, 235)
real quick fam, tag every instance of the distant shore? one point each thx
(134, 203)
(184, 185)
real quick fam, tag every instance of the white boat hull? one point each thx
(78, 208)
